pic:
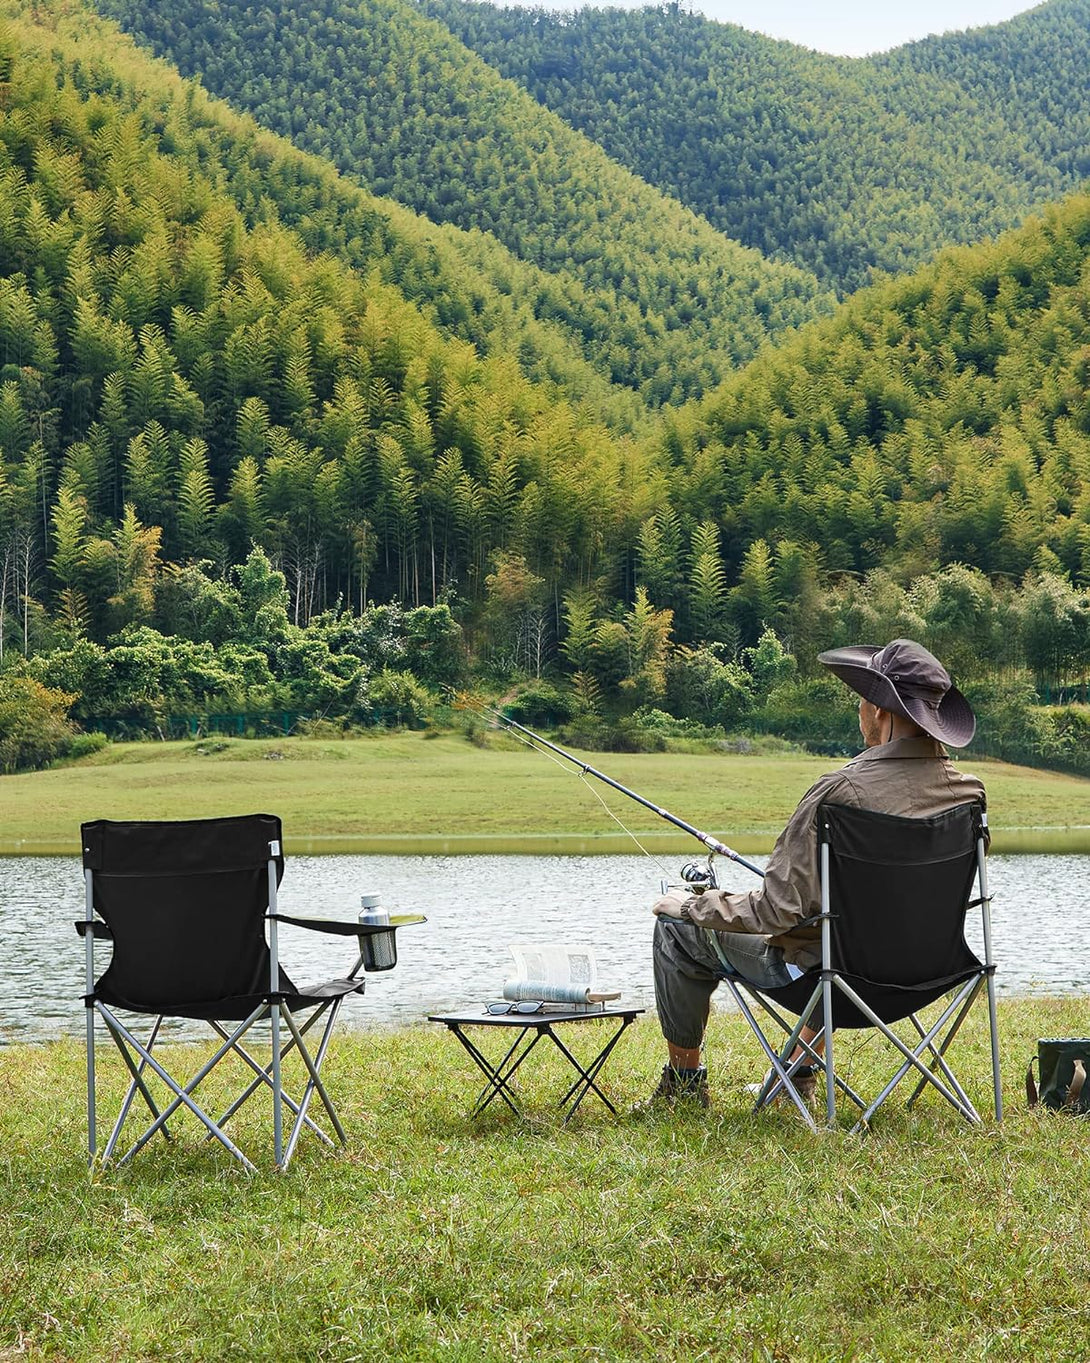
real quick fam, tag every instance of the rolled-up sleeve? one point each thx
(791, 889)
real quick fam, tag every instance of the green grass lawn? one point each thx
(701, 1235)
(417, 793)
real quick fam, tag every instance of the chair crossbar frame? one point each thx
(137, 1085)
(264, 1076)
(315, 1083)
(783, 1068)
(138, 1058)
(922, 1083)
(912, 1057)
(182, 1095)
(938, 1053)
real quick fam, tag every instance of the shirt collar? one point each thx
(902, 749)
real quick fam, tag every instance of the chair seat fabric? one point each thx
(235, 1009)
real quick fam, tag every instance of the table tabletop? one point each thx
(483, 1018)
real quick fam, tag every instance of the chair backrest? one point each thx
(898, 892)
(185, 902)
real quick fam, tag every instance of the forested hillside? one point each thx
(177, 384)
(241, 469)
(839, 165)
(466, 283)
(663, 303)
(940, 418)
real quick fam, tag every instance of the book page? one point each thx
(556, 973)
(556, 963)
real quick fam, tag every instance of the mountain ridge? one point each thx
(181, 368)
(843, 165)
(669, 305)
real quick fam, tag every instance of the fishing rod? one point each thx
(712, 844)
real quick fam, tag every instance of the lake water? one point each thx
(476, 905)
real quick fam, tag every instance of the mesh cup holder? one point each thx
(379, 950)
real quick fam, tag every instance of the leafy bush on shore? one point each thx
(34, 724)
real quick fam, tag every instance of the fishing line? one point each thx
(714, 846)
(601, 800)
(567, 769)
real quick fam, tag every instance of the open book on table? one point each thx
(558, 974)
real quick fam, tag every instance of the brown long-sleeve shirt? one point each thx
(911, 777)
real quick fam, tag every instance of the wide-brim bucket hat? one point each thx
(905, 679)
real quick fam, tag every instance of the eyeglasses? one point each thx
(523, 1006)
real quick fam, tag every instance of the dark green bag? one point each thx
(1062, 1064)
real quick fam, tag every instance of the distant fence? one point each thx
(1064, 695)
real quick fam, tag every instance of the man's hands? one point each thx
(672, 905)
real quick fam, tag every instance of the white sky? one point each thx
(846, 28)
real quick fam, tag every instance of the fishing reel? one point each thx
(696, 877)
(700, 875)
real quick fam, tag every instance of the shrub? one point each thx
(541, 705)
(702, 686)
(83, 745)
(628, 736)
(34, 724)
(397, 698)
(652, 721)
(622, 736)
(1011, 725)
(435, 650)
(820, 712)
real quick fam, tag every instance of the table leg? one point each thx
(585, 1083)
(499, 1074)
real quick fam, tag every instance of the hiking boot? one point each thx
(684, 1086)
(804, 1080)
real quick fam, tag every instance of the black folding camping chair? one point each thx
(186, 905)
(894, 898)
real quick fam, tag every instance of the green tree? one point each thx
(707, 585)
(515, 613)
(753, 601)
(264, 599)
(658, 557)
(1055, 628)
(34, 724)
(580, 612)
(196, 499)
(649, 643)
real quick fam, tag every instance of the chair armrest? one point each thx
(814, 918)
(339, 928)
(96, 929)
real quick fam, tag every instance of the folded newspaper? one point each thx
(555, 974)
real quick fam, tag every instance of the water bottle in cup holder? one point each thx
(378, 949)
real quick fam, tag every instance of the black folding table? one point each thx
(532, 1028)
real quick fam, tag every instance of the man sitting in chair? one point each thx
(907, 711)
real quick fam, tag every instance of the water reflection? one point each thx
(475, 906)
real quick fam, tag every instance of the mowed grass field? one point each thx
(666, 1236)
(417, 792)
(673, 1237)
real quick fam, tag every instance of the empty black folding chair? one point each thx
(186, 905)
(895, 893)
